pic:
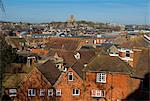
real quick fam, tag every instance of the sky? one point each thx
(107, 11)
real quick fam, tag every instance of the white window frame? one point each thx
(64, 69)
(32, 90)
(70, 74)
(42, 92)
(58, 92)
(12, 92)
(101, 77)
(50, 92)
(74, 92)
(98, 93)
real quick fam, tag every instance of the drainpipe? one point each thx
(111, 86)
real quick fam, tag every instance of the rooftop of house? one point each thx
(63, 43)
(121, 39)
(49, 70)
(15, 42)
(107, 63)
(86, 57)
(142, 60)
(70, 61)
(137, 41)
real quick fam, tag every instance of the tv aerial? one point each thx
(2, 7)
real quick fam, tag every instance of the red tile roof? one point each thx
(63, 43)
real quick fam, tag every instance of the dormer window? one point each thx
(101, 77)
(70, 76)
(77, 56)
(64, 69)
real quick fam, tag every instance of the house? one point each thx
(84, 75)
(99, 41)
(48, 82)
(126, 48)
(37, 85)
(129, 48)
(113, 50)
(142, 73)
(71, 81)
(109, 79)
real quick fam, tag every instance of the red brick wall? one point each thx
(122, 86)
(117, 86)
(34, 80)
(67, 86)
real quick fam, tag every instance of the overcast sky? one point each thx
(114, 11)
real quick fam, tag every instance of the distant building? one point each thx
(71, 22)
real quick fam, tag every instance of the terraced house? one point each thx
(85, 75)
(70, 73)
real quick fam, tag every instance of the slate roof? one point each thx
(77, 65)
(142, 62)
(86, 57)
(49, 70)
(108, 64)
(119, 40)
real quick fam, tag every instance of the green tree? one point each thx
(7, 53)
(7, 56)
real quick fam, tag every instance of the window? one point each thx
(12, 92)
(101, 77)
(98, 93)
(76, 92)
(127, 53)
(77, 56)
(31, 92)
(64, 69)
(70, 76)
(58, 92)
(102, 93)
(50, 92)
(42, 92)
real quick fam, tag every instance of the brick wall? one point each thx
(34, 80)
(117, 86)
(67, 87)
